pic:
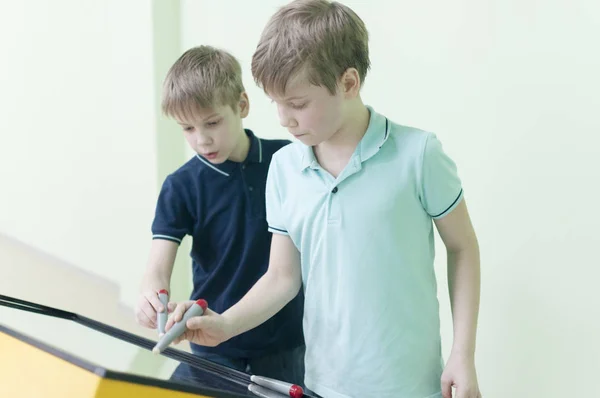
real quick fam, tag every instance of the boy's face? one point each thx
(217, 133)
(310, 113)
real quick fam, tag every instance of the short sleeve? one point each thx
(172, 219)
(273, 201)
(441, 188)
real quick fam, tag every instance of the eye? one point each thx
(298, 106)
(188, 129)
(213, 123)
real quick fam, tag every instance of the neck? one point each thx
(240, 153)
(355, 125)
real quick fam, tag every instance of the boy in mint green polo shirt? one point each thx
(352, 206)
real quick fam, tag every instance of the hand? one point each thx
(460, 374)
(210, 329)
(147, 306)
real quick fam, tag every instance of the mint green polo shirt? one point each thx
(366, 239)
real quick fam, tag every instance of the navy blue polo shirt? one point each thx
(223, 208)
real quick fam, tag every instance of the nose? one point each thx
(202, 139)
(285, 119)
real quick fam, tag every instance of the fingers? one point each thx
(148, 306)
(177, 313)
(145, 313)
(143, 319)
(446, 388)
(203, 321)
(171, 306)
(187, 335)
(154, 302)
(196, 323)
(467, 393)
(195, 326)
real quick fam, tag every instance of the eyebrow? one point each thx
(203, 119)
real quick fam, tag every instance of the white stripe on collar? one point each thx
(259, 150)
(211, 165)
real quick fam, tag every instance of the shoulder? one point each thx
(417, 145)
(189, 170)
(410, 138)
(186, 177)
(289, 155)
(409, 143)
(286, 168)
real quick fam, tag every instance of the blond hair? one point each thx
(317, 37)
(203, 77)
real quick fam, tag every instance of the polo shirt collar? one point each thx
(375, 136)
(308, 158)
(255, 155)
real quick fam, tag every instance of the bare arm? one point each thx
(160, 265)
(278, 286)
(462, 249)
(156, 277)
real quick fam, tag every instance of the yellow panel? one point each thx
(121, 389)
(27, 371)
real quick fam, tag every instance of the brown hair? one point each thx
(203, 77)
(318, 37)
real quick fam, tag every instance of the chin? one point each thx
(309, 140)
(218, 160)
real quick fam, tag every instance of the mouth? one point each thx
(210, 155)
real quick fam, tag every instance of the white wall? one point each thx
(83, 151)
(510, 88)
(77, 143)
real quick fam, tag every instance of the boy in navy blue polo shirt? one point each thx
(218, 198)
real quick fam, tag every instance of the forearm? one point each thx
(267, 297)
(160, 265)
(464, 288)
(155, 280)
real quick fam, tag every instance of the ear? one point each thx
(244, 105)
(350, 83)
